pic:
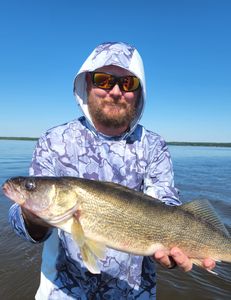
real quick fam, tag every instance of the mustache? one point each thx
(118, 103)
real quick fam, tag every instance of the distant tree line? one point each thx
(207, 144)
(18, 138)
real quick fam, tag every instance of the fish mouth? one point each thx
(61, 218)
(11, 192)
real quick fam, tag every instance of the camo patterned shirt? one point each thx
(141, 162)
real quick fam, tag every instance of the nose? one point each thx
(115, 91)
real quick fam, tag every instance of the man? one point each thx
(106, 143)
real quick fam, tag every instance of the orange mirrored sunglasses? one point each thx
(107, 81)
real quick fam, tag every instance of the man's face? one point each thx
(112, 108)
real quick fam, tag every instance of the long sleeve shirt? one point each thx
(141, 162)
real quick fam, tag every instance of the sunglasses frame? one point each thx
(116, 80)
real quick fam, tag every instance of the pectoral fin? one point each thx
(90, 250)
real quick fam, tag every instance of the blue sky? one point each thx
(185, 45)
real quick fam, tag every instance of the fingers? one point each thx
(181, 259)
(184, 262)
(173, 258)
(209, 264)
(162, 258)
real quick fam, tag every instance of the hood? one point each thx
(112, 53)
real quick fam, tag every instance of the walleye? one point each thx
(114, 216)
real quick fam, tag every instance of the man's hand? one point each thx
(175, 257)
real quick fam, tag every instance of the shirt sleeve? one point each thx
(40, 166)
(159, 180)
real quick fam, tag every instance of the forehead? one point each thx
(114, 70)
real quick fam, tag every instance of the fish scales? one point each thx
(135, 221)
(121, 218)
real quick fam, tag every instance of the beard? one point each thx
(112, 114)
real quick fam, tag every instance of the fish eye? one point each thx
(30, 185)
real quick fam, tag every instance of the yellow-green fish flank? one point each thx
(111, 215)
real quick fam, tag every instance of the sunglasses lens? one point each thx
(103, 81)
(130, 83)
(107, 81)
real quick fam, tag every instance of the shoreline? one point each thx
(12, 138)
(202, 144)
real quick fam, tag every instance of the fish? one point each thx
(101, 215)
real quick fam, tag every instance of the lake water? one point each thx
(200, 173)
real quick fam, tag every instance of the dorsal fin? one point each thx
(203, 209)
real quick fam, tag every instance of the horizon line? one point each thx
(176, 143)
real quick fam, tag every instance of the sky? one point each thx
(185, 46)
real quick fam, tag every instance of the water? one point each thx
(200, 173)
(19, 260)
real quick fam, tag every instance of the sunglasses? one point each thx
(107, 81)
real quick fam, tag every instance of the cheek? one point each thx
(130, 97)
(99, 93)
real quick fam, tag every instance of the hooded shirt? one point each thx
(117, 54)
(138, 159)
